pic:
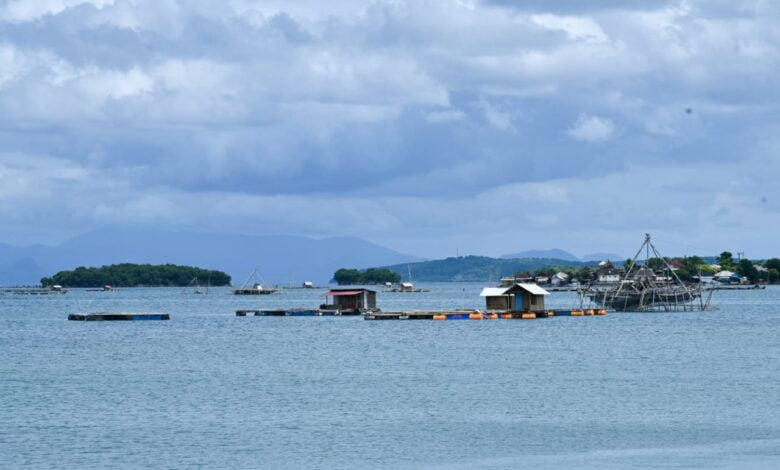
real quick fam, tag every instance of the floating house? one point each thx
(521, 297)
(350, 300)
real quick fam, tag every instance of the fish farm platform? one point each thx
(36, 291)
(297, 313)
(254, 291)
(118, 316)
(479, 315)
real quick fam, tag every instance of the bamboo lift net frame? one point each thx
(639, 291)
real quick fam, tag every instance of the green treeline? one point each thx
(687, 268)
(482, 268)
(369, 276)
(134, 275)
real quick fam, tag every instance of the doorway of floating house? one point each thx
(518, 301)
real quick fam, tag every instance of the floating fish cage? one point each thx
(644, 298)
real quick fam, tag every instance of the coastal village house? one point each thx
(608, 273)
(521, 297)
(509, 281)
(559, 279)
(728, 277)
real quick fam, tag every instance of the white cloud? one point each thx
(402, 110)
(576, 28)
(591, 129)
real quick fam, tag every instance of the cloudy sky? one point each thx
(433, 127)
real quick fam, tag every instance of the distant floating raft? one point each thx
(59, 291)
(117, 316)
(297, 313)
(257, 290)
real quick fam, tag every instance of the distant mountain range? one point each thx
(280, 258)
(476, 268)
(557, 253)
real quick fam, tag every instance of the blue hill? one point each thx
(554, 253)
(280, 258)
(476, 268)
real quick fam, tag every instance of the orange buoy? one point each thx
(475, 316)
(551, 313)
(506, 316)
(440, 316)
(590, 312)
(602, 311)
(529, 316)
(577, 313)
(492, 316)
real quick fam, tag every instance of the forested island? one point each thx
(136, 275)
(369, 276)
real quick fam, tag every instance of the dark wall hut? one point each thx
(351, 299)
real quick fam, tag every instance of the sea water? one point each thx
(208, 389)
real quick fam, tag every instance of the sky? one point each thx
(434, 127)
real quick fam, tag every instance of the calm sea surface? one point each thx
(211, 390)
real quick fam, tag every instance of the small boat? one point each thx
(198, 289)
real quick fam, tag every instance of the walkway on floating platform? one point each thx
(420, 314)
(296, 313)
(117, 316)
(479, 315)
